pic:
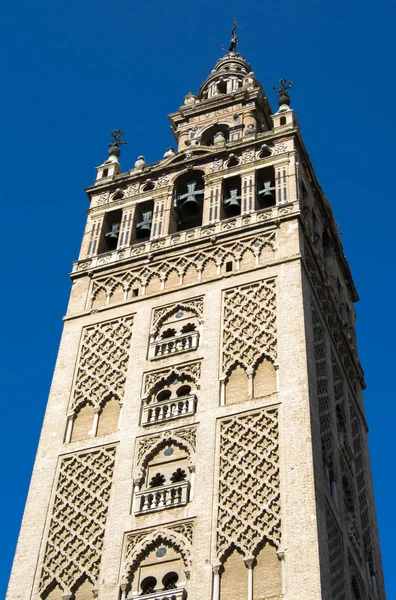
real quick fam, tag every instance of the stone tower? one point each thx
(205, 437)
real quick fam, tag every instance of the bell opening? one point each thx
(111, 231)
(266, 192)
(188, 195)
(232, 196)
(143, 220)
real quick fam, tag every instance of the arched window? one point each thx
(207, 137)
(170, 580)
(148, 585)
(166, 481)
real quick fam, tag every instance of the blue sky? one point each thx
(75, 71)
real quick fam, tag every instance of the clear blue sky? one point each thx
(77, 70)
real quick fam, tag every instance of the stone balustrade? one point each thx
(165, 496)
(174, 345)
(165, 410)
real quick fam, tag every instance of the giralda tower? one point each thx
(205, 436)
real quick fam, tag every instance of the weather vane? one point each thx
(117, 141)
(234, 37)
(283, 94)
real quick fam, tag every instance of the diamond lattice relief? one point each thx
(103, 362)
(249, 325)
(79, 514)
(249, 496)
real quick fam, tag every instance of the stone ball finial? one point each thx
(219, 139)
(169, 152)
(249, 81)
(114, 151)
(140, 163)
(190, 99)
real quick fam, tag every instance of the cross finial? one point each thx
(283, 94)
(234, 37)
(117, 141)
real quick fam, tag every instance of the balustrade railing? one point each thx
(166, 496)
(165, 410)
(174, 345)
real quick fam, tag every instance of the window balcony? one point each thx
(166, 410)
(176, 594)
(160, 498)
(174, 345)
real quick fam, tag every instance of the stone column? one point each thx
(216, 582)
(249, 565)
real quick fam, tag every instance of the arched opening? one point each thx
(266, 187)
(143, 220)
(264, 382)
(168, 333)
(189, 194)
(237, 386)
(282, 121)
(111, 230)
(148, 585)
(148, 185)
(83, 423)
(183, 390)
(109, 417)
(169, 581)
(207, 137)
(164, 395)
(232, 196)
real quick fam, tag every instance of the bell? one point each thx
(143, 228)
(188, 204)
(232, 204)
(112, 236)
(266, 195)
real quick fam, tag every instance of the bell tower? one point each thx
(205, 435)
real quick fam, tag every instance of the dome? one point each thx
(226, 77)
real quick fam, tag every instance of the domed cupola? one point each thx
(231, 73)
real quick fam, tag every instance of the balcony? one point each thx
(160, 498)
(174, 345)
(177, 594)
(167, 410)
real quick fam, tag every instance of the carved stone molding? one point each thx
(140, 543)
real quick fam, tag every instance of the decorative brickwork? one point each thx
(322, 388)
(197, 261)
(352, 367)
(249, 495)
(78, 520)
(103, 362)
(336, 558)
(249, 326)
(361, 485)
